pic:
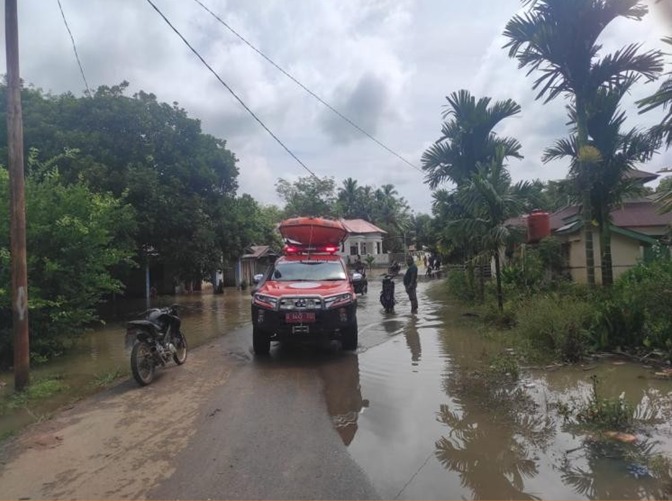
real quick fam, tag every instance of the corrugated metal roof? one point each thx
(360, 226)
(258, 251)
(637, 213)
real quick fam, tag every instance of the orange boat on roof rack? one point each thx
(313, 231)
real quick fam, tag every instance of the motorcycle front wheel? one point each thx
(142, 363)
(180, 356)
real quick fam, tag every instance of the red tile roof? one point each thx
(360, 226)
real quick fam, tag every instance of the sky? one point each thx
(388, 65)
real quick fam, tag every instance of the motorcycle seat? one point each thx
(144, 324)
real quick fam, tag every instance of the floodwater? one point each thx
(101, 353)
(429, 426)
(415, 412)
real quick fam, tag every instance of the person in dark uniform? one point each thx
(411, 283)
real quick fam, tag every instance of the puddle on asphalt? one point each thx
(423, 425)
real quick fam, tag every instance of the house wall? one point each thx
(362, 245)
(625, 254)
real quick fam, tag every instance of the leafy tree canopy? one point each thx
(150, 153)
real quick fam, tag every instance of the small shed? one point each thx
(257, 260)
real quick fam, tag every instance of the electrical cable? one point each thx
(353, 124)
(74, 47)
(231, 90)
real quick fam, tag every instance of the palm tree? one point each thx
(391, 212)
(467, 138)
(348, 199)
(489, 200)
(663, 97)
(608, 180)
(559, 39)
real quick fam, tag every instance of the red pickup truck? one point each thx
(306, 296)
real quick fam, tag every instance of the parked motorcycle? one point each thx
(155, 340)
(359, 283)
(387, 294)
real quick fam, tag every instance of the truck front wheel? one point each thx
(349, 336)
(261, 341)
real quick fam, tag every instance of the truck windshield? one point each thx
(308, 270)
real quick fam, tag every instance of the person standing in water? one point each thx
(411, 283)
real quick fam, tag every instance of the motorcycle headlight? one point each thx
(338, 300)
(265, 301)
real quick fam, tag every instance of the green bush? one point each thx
(460, 286)
(74, 239)
(635, 313)
(556, 324)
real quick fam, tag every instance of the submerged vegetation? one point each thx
(554, 319)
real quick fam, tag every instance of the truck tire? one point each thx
(261, 341)
(349, 337)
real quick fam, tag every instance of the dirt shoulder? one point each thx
(117, 444)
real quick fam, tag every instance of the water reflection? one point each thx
(413, 340)
(494, 433)
(343, 394)
(609, 470)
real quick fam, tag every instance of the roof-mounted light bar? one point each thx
(294, 249)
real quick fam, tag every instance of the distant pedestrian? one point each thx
(411, 283)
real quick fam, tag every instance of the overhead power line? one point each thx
(74, 48)
(288, 75)
(242, 103)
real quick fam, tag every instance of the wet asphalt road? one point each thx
(279, 427)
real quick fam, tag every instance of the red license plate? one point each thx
(299, 317)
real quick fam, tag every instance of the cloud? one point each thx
(367, 105)
(386, 64)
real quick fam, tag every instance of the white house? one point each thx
(363, 238)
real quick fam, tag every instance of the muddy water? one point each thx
(100, 354)
(424, 424)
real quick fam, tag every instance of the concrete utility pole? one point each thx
(17, 201)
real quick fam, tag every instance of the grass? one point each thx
(40, 389)
(108, 378)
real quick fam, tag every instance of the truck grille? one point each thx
(300, 303)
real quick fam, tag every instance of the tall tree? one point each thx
(151, 153)
(489, 199)
(308, 196)
(467, 138)
(618, 153)
(662, 98)
(559, 39)
(468, 145)
(349, 199)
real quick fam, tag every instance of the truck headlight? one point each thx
(338, 300)
(265, 301)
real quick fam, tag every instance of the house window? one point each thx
(343, 247)
(353, 250)
(363, 246)
(378, 249)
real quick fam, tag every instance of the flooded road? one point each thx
(410, 406)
